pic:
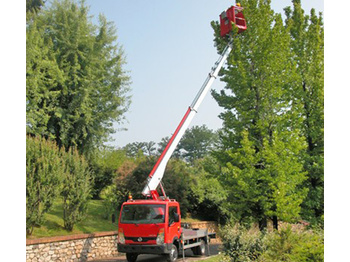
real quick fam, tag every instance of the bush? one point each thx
(76, 188)
(242, 244)
(293, 245)
(43, 176)
(112, 200)
(287, 244)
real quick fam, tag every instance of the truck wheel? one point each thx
(131, 257)
(200, 250)
(172, 256)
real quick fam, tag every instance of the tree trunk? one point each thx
(262, 224)
(275, 222)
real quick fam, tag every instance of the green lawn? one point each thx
(93, 222)
(217, 258)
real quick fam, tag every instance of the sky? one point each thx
(169, 51)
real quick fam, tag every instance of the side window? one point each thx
(172, 212)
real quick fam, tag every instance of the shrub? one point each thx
(293, 245)
(242, 244)
(43, 176)
(76, 188)
(112, 199)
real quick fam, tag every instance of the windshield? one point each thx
(143, 214)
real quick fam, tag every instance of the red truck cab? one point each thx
(149, 227)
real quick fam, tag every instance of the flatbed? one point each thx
(196, 239)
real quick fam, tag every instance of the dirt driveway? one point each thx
(214, 250)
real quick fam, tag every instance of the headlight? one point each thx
(160, 237)
(121, 238)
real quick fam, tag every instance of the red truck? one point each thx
(153, 225)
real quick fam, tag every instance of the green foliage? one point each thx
(286, 244)
(207, 195)
(76, 85)
(34, 5)
(76, 188)
(43, 176)
(262, 142)
(307, 36)
(241, 244)
(177, 182)
(112, 198)
(104, 164)
(197, 142)
(135, 148)
(291, 245)
(43, 79)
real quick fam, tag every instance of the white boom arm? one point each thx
(157, 173)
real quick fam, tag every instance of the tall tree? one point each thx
(43, 80)
(34, 5)
(259, 118)
(307, 36)
(197, 142)
(91, 90)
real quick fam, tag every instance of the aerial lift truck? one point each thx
(153, 225)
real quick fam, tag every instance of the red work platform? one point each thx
(234, 16)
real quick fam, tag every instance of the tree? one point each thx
(197, 142)
(260, 116)
(34, 5)
(43, 79)
(43, 177)
(207, 195)
(307, 44)
(76, 188)
(104, 164)
(88, 92)
(162, 145)
(134, 149)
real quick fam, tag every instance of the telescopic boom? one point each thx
(229, 18)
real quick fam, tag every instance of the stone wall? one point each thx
(83, 247)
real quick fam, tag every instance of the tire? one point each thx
(200, 250)
(173, 255)
(131, 257)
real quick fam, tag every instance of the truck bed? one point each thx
(196, 233)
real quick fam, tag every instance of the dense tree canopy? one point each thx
(263, 141)
(76, 84)
(308, 46)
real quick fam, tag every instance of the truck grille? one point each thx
(140, 239)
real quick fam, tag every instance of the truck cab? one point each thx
(149, 227)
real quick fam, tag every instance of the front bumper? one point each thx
(145, 249)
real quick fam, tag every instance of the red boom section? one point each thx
(170, 142)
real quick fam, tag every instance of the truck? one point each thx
(153, 225)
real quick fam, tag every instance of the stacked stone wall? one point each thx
(74, 248)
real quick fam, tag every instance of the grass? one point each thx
(217, 258)
(93, 222)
